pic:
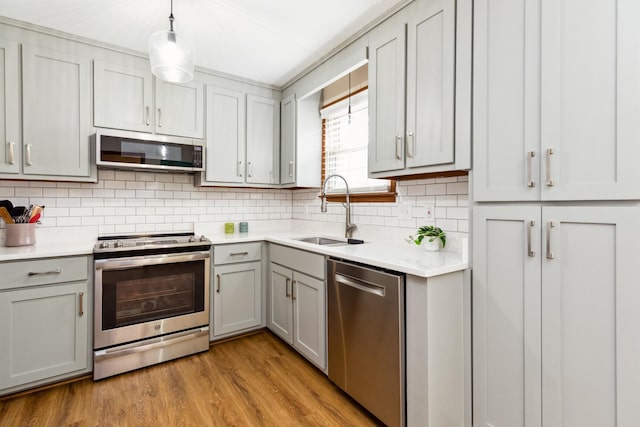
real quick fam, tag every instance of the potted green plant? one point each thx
(430, 237)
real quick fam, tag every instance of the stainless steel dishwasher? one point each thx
(366, 337)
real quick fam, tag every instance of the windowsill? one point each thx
(378, 197)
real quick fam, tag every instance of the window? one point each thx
(345, 152)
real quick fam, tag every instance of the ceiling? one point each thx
(266, 41)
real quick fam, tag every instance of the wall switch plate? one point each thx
(405, 211)
(429, 209)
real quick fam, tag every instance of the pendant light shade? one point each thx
(171, 55)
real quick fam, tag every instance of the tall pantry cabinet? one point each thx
(555, 327)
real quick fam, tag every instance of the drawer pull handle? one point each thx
(12, 160)
(147, 115)
(286, 288)
(81, 298)
(42, 273)
(29, 163)
(399, 147)
(293, 289)
(530, 250)
(550, 182)
(410, 144)
(550, 225)
(159, 117)
(530, 182)
(238, 253)
(218, 287)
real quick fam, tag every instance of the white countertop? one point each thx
(402, 257)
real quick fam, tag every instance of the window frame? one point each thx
(388, 196)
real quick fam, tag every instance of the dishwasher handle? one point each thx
(359, 284)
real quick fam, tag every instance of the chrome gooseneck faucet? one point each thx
(348, 226)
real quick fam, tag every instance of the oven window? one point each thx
(142, 294)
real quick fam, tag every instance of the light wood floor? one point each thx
(251, 381)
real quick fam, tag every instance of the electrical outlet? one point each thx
(429, 209)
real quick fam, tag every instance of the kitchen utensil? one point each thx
(4, 213)
(34, 218)
(7, 205)
(37, 210)
(17, 211)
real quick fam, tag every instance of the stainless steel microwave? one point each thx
(131, 150)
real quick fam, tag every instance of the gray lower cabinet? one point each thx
(237, 289)
(297, 301)
(45, 312)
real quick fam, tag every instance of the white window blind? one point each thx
(346, 142)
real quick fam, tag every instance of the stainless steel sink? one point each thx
(323, 241)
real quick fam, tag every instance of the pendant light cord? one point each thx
(171, 18)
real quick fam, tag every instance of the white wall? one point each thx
(134, 202)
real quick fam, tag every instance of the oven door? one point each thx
(148, 296)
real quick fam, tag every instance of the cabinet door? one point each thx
(387, 101)
(9, 104)
(123, 97)
(180, 109)
(237, 299)
(590, 99)
(309, 318)
(590, 317)
(506, 316)
(288, 140)
(430, 84)
(262, 140)
(506, 118)
(56, 102)
(225, 135)
(43, 333)
(280, 307)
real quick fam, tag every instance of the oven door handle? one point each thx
(124, 263)
(155, 343)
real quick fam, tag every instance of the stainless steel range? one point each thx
(151, 300)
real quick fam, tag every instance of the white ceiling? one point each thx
(268, 41)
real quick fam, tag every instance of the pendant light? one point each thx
(171, 55)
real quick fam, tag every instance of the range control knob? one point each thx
(104, 245)
(192, 239)
(203, 239)
(119, 244)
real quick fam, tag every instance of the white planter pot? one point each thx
(431, 246)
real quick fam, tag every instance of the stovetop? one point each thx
(142, 242)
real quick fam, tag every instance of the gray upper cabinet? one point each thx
(180, 109)
(56, 100)
(225, 135)
(413, 133)
(9, 107)
(288, 140)
(555, 117)
(123, 97)
(263, 117)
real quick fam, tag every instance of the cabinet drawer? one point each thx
(240, 252)
(307, 262)
(17, 274)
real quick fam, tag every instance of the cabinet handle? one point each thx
(410, 145)
(398, 147)
(12, 160)
(218, 286)
(530, 181)
(29, 155)
(286, 288)
(550, 153)
(293, 289)
(42, 273)
(291, 169)
(530, 251)
(550, 225)
(238, 253)
(147, 110)
(81, 298)
(239, 171)
(159, 117)
(249, 169)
